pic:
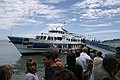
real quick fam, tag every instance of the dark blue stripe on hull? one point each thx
(41, 45)
(16, 40)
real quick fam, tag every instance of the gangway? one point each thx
(104, 51)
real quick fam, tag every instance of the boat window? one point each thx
(68, 39)
(55, 38)
(37, 37)
(41, 37)
(50, 38)
(59, 38)
(78, 40)
(62, 32)
(74, 40)
(44, 37)
(53, 31)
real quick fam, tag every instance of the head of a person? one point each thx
(109, 63)
(71, 59)
(49, 57)
(99, 54)
(118, 50)
(85, 49)
(77, 52)
(6, 72)
(60, 52)
(31, 65)
(64, 74)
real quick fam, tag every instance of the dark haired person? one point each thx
(71, 65)
(58, 62)
(118, 50)
(50, 65)
(105, 70)
(64, 74)
(117, 57)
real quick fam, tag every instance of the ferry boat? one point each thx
(57, 37)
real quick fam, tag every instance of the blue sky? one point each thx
(95, 19)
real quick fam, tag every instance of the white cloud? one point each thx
(22, 12)
(96, 3)
(93, 9)
(55, 25)
(104, 31)
(111, 2)
(96, 25)
(73, 19)
(89, 29)
(52, 1)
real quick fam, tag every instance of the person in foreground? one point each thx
(31, 70)
(57, 60)
(71, 65)
(96, 62)
(105, 70)
(6, 72)
(117, 76)
(86, 62)
(50, 64)
(64, 74)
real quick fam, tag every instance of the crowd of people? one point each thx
(79, 66)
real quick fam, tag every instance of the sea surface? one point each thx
(10, 55)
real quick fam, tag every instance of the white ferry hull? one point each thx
(28, 46)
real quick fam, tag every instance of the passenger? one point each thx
(64, 74)
(104, 70)
(116, 56)
(117, 77)
(86, 62)
(77, 52)
(97, 61)
(31, 70)
(57, 60)
(50, 65)
(118, 51)
(71, 65)
(6, 72)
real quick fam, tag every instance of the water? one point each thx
(10, 55)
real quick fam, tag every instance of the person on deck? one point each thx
(57, 60)
(71, 65)
(117, 76)
(84, 60)
(117, 57)
(96, 62)
(104, 70)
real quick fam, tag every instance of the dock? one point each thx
(104, 51)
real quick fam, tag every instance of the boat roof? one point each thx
(57, 29)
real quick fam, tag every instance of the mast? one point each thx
(11, 31)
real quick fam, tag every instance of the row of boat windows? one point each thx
(56, 38)
(57, 32)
